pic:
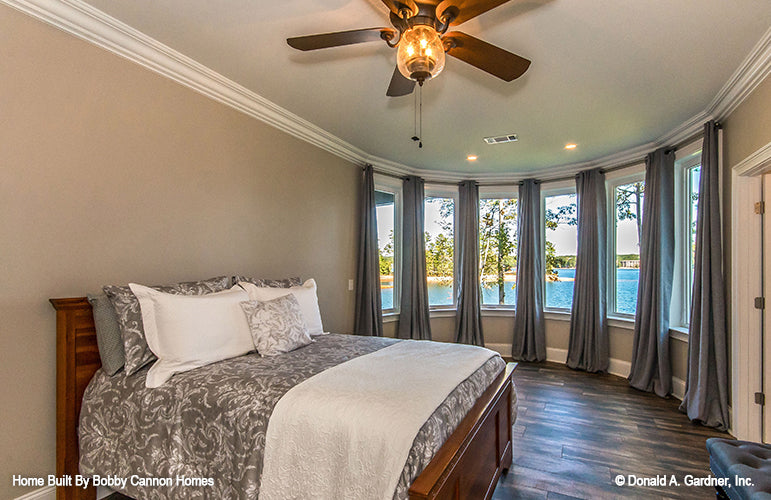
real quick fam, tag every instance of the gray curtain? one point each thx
(706, 387)
(651, 370)
(468, 322)
(413, 312)
(368, 316)
(588, 344)
(529, 342)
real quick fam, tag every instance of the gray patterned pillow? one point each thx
(126, 305)
(108, 338)
(284, 283)
(277, 325)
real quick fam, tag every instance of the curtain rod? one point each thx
(680, 145)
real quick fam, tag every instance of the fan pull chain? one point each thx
(420, 94)
(418, 121)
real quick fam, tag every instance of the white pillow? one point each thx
(305, 295)
(189, 331)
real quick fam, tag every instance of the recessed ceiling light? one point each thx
(472, 158)
(571, 146)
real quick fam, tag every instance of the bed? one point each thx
(467, 465)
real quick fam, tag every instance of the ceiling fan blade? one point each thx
(485, 56)
(325, 40)
(400, 85)
(468, 9)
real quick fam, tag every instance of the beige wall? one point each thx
(745, 131)
(111, 173)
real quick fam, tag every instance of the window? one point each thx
(687, 174)
(498, 251)
(385, 244)
(626, 208)
(692, 206)
(560, 242)
(388, 198)
(439, 228)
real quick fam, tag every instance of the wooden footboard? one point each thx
(477, 453)
(467, 466)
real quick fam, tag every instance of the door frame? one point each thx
(746, 284)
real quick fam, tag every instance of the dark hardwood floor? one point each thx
(576, 432)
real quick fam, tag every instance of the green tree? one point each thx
(564, 214)
(629, 204)
(497, 241)
(387, 256)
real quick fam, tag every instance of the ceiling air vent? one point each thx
(501, 139)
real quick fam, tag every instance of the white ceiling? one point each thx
(608, 75)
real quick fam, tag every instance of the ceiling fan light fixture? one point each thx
(420, 55)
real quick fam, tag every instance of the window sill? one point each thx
(623, 322)
(390, 317)
(441, 313)
(503, 312)
(557, 314)
(679, 333)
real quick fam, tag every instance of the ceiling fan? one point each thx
(420, 35)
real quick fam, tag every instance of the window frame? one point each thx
(393, 186)
(614, 179)
(686, 158)
(557, 188)
(445, 191)
(497, 193)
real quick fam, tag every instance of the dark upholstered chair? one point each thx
(745, 464)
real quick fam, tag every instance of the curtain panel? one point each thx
(468, 323)
(588, 345)
(413, 315)
(368, 318)
(706, 386)
(529, 342)
(651, 370)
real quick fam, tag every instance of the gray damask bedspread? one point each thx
(211, 422)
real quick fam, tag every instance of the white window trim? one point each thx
(685, 158)
(555, 189)
(634, 173)
(444, 191)
(393, 185)
(494, 193)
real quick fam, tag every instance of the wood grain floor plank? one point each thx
(580, 431)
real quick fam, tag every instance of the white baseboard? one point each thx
(556, 355)
(678, 388)
(619, 367)
(47, 493)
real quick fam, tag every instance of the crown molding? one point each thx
(78, 18)
(90, 24)
(757, 163)
(750, 73)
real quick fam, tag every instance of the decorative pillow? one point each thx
(187, 332)
(305, 295)
(130, 317)
(283, 283)
(108, 338)
(277, 325)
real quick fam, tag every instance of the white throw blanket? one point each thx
(346, 432)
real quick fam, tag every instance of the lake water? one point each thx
(559, 294)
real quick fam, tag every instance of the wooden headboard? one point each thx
(77, 359)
